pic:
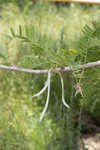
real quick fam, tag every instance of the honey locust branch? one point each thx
(79, 1)
(45, 71)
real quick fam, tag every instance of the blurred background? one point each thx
(38, 35)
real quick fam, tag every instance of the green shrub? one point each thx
(89, 47)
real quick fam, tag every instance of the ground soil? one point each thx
(91, 133)
(92, 142)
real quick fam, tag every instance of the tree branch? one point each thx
(80, 1)
(45, 71)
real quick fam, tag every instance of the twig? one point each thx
(45, 71)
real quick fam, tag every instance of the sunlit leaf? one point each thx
(20, 30)
(12, 32)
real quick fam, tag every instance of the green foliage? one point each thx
(19, 126)
(41, 56)
(3, 52)
(34, 52)
(89, 45)
(41, 42)
(21, 4)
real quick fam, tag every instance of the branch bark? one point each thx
(80, 1)
(45, 71)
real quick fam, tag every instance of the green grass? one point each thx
(49, 20)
